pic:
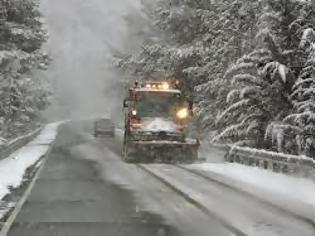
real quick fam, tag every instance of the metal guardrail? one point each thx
(277, 162)
(8, 148)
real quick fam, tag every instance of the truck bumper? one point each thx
(162, 151)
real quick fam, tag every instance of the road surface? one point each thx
(85, 189)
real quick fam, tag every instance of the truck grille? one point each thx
(158, 136)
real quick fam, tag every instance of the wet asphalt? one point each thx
(70, 198)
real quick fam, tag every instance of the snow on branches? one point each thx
(271, 101)
(254, 100)
(22, 95)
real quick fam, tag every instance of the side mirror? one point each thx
(126, 105)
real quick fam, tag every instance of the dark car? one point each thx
(104, 127)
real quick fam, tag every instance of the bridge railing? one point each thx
(9, 147)
(278, 162)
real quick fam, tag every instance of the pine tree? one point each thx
(299, 126)
(294, 134)
(21, 37)
(257, 96)
(258, 109)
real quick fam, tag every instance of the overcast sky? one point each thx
(82, 34)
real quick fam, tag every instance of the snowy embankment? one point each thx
(13, 168)
(292, 193)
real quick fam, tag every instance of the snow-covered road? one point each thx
(291, 193)
(77, 190)
(245, 213)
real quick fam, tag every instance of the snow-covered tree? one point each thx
(196, 40)
(294, 134)
(258, 95)
(260, 109)
(297, 130)
(21, 92)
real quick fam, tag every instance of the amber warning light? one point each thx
(160, 85)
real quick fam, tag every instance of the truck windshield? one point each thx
(157, 104)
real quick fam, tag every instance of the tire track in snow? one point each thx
(197, 204)
(224, 185)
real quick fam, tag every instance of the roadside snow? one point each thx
(292, 193)
(48, 135)
(12, 169)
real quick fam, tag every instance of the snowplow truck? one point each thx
(157, 116)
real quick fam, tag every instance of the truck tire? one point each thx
(125, 156)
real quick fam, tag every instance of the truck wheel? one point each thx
(124, 152)
(125, 156)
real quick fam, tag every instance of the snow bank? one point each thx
(29, 135)
(12, 169)
(48, 135)
(280, 189)
(271, 154)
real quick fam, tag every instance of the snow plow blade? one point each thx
(161, 152)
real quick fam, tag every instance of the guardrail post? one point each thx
(237, 159)
(275, 167)
(266, 164)
(228, 157)
(244, 160)
(284, 168)
(291, 169)
(251, 161)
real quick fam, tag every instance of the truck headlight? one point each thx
(182, 114)
(165, 86)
